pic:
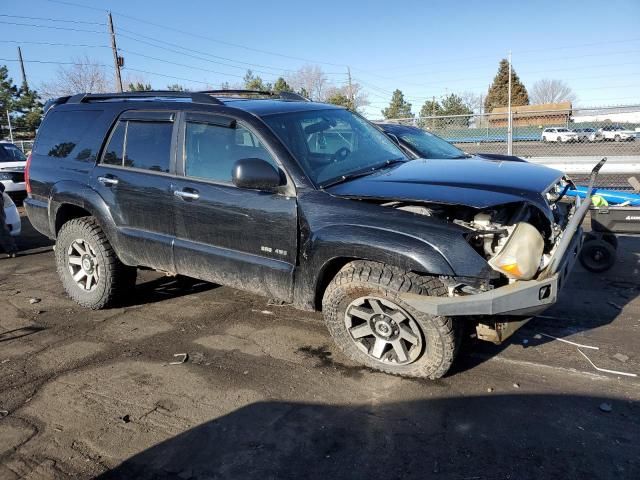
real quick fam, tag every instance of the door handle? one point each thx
(185, 195)
(108, 181)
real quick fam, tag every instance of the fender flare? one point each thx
(360, 242)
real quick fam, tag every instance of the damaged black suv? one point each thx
(302, 202)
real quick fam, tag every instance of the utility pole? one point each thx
(433, 111)
(10, 129)
(351, 99)
(510, 116)
(117, 61)
(24, 75)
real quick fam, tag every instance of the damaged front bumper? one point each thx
(522, 298)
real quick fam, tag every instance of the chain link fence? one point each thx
(572, 139)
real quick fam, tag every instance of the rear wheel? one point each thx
(374, 327)
(90, 271)
(617, 138)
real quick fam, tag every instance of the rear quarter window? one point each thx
(62, 131)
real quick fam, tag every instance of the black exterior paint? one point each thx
(278, 244)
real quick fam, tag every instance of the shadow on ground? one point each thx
(164, 288)
(487, 437)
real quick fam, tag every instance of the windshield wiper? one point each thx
(361, 173)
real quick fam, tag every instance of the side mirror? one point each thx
(255, 174)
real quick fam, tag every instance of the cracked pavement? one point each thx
(264, 393)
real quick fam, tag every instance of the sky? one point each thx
(424, 48)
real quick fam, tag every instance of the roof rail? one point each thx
(196, 97)
(281, 95)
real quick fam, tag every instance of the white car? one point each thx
(12, 216)
(617, 134)
(584, 134)
(12, 163)
(561, 135)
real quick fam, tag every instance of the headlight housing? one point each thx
(521, 256)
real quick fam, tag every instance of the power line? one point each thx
(29, 42)
(51, 19)
(202, 37)
(51, 27)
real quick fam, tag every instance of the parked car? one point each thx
(12, 163)
(303, 202)
(584, 134)
(560, 135)
(12, 216)
(616, 134)
(418, 143)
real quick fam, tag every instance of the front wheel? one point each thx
(90, 271)
(374, 327)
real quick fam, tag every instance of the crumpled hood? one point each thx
(474, 182)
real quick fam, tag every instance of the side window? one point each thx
(143, 145)
(113, 154)
(210, 151)
(63, 130)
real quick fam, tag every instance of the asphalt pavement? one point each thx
(263, 393)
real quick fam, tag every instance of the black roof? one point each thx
(253, 101)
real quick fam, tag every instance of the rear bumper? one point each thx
(38, 213)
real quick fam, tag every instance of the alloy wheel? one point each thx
(383, 330)
(83, 264)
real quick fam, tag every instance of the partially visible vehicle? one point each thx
(12, 215)
(560, 135)
(617, 134)
(417, 143)
(12, 163)
(584, 134)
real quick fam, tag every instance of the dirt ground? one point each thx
(265, 394)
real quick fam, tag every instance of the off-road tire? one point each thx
(115, 279)
(441, 335)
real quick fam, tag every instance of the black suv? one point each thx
(302, 202)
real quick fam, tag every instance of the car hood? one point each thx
(474, 182)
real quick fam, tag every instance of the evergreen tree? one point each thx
(498, 95)
(254, 82)
(29, 109)
(139, 87)
(8, 94)
(430, 108)
(281, 85)
(339, 98)
(398, 107)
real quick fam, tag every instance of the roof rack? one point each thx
(196, 97)
(282, 95)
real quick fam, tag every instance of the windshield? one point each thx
(429, 145)
(331, 144)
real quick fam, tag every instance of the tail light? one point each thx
(26, 174)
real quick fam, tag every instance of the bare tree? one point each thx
(472, 101)
(84, 75)
(551, 91)
(310, 80)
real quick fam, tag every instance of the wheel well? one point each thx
(326, 275)
(68, 212)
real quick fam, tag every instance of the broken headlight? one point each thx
(521, 256)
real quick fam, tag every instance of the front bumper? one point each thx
(522, 297)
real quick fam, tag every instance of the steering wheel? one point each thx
(341, 154)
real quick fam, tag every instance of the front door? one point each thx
(241, 238)
(134, 177)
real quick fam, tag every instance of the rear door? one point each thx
(237, 237)
(135, 178)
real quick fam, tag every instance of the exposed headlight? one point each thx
(521, 256)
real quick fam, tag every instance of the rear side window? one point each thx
(141, 145)
(63, 130)
(11, 153)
